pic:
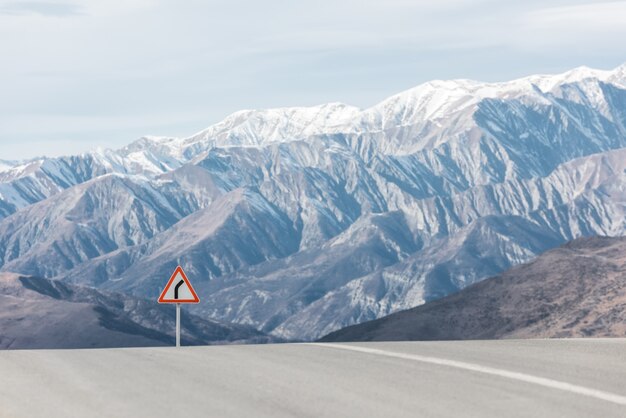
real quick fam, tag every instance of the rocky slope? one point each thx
(577, 290)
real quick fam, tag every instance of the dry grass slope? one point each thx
(577, 290)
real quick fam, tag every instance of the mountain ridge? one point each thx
(41, 313)
(365, 210)
(575, 290)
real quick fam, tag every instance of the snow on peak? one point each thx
(440, 98)
(260, 127)
(618, 76)
(549, 82)
(152, 143)
(7, 165)
(422, 107)
(430, 101)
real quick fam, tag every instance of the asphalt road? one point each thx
(532, 378)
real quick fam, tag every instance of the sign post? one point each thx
(178, 290)
(178, 325)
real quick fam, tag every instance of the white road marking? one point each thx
(536, 380)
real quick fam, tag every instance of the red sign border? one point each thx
(178, 270)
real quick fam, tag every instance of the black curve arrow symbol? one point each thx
(176, 288)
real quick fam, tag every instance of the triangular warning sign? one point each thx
(178, 289)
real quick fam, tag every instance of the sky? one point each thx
(81, 74)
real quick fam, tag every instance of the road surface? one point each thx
(538, 378)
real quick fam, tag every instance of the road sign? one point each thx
(178, 289)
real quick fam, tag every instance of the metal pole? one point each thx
(178, 325)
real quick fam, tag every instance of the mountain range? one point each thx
(301, 221)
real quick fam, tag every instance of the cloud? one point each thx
(591, 15)
(127, 65)
(599, 24)
(41, 8)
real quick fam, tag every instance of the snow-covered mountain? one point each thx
(300, 221)
(5, 165)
